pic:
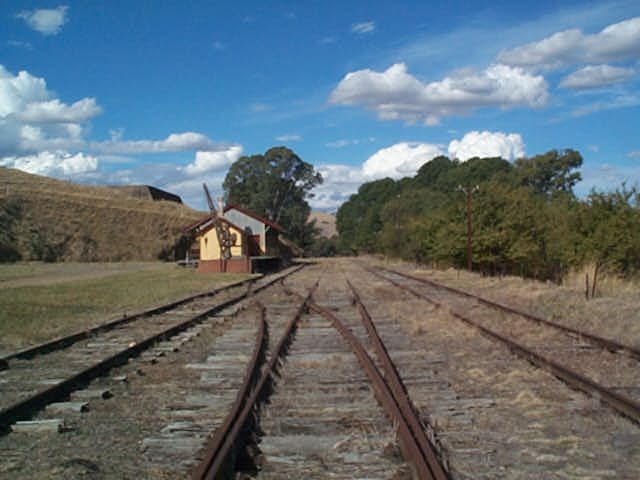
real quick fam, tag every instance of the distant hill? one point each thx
(46, 219)
(326, 222)
(147, 192)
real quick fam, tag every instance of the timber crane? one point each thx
(226, 239)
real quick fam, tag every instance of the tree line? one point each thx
(526, 218)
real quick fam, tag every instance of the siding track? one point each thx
(55, 369)
(600, 367)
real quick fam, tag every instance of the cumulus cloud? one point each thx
(617, 41)
(32, 119)
(487, 144)
(634, 154)
(397, 95)
(396, 161)
(404, 159)
(42, 134)
(45, 21)
(595, 76)
(213, 161)
(399, 160)
(340, 181)
(54, 111)
(363, 27)
(56, 163)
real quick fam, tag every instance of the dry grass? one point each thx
(608, 284)
(90, 223)
(326, 222)
(35, 312)
(614, 312)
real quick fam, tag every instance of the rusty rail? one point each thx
(25, 408)
(66, 340)
(621, 403)
(610, 345)
(214, 448)
(398, 390)
(240, 422)
(426, 467)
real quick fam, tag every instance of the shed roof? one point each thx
(253, 215)
(207, 223)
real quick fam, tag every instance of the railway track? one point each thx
(353, 379)
(45, 374)
(600, 367)
(334, 412)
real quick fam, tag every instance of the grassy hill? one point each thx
(326, 222)
(46, 219)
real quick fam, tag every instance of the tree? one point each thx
(358, 220)
(275, 185)
(550, 173)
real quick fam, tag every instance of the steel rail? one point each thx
(25, 408)
(66, 340)
(220, 464)
(398, 389)
(214, 447)
(621, 403)
(605, 343)
(424, 468)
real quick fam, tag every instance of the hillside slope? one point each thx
(46, 219)
(326, 222)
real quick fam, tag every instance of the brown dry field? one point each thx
(614, 313)
(326, 222)
(90, 223)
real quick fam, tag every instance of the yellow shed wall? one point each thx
(210, 248)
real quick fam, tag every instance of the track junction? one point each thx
(339, 370)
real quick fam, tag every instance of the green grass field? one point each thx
(42, 301)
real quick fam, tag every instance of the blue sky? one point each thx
(171, 93)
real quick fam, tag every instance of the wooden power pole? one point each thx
(468, 192)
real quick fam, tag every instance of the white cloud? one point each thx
(363, 27)
(400, 160)
(176, 142)
(32, 119)
(45, 21)
(617, 41)
(396, 95)
(289, 138)
(340, 181)
(487, 144)
(54, 111)
(54, 163)
(213, 161)
(595, 76)
(634, 154)
(404, 159)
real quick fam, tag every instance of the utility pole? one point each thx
(468, 192)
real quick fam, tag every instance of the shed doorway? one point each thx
(254, 245)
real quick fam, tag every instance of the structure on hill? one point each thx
(147, 192)
(253, 243)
